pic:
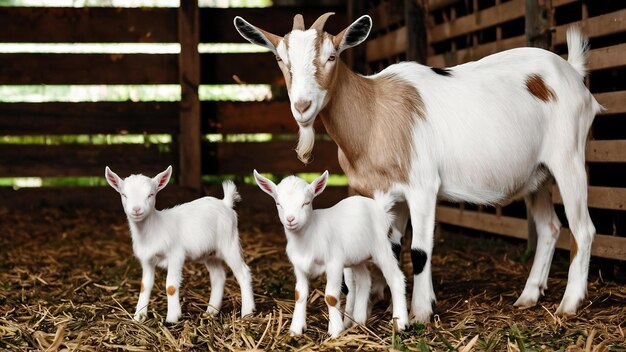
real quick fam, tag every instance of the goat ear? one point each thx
(114, 181)
(256, 35)
(265, 184)
(319, 184)
(162, 179)
(354, 35)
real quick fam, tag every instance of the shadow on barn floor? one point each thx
(68, 280)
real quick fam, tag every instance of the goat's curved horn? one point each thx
(298, 22)
(321, 21)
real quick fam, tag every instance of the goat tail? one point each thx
(230, 193)
(386, 201)
(578, 50)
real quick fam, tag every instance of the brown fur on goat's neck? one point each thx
(372, 120)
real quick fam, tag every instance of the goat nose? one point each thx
(136, 209)
(302, 105)
(291, 218)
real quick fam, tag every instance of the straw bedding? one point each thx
(68, 281)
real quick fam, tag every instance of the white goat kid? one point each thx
(484, 132)
(204, 229)
(346, 235)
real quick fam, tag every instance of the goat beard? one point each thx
(306, 141)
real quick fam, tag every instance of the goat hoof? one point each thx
(141, 316)
(212, 311)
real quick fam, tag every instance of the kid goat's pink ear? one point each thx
(163, 178)
(265, 184)
(113, 180)
(319, 184)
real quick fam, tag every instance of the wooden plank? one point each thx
(607, 57)
(385, 15)
(217, 23)
(610, 23)
(102, 198)
(273, 157)
(612, 198)
(88, 118)
(80, 160)
(88, 69)
(252, 117)
(557, 3)
(87, 25)
(479, 20)
(434, 5)
(475, 53)
(252, 68)
(105, 198)
(504, 225)
(606, 151)
(252, 198)
(386, 46)
(189, 145)
(612, 247)
(614, 102)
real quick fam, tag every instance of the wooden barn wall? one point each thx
(460, 31)
(186, 121)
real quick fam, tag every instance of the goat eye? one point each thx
(306, 203)
(151, 195)
(278, 204)
(332, 58)
(124, 195)
(278, 58)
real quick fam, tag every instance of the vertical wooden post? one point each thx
(189, 77)
(356, 55)
(538, 23)
(415, 22)
(538, 34)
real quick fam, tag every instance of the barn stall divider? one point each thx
(184, 121)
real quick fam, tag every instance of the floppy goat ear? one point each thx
(354, 35)
(114, 181)
(319, 184)
(162, 179)
(256, 35)
(265, 184)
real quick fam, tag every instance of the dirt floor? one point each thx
(68, 280)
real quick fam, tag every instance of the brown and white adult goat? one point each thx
(484, 132)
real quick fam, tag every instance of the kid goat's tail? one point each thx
(386, 202)
(230, 193)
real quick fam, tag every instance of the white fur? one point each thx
(204, 229)
(485, 139)
(346, 235)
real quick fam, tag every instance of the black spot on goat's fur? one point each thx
(442, 71)
(418, 258)
(397, 249)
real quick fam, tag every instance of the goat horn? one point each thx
(298, 22)
(321, 21)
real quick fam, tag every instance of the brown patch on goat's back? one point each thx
(537, 87)
(141, 288)
(171, 290)
(297, 295)
(372, 123)
(331, 300)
